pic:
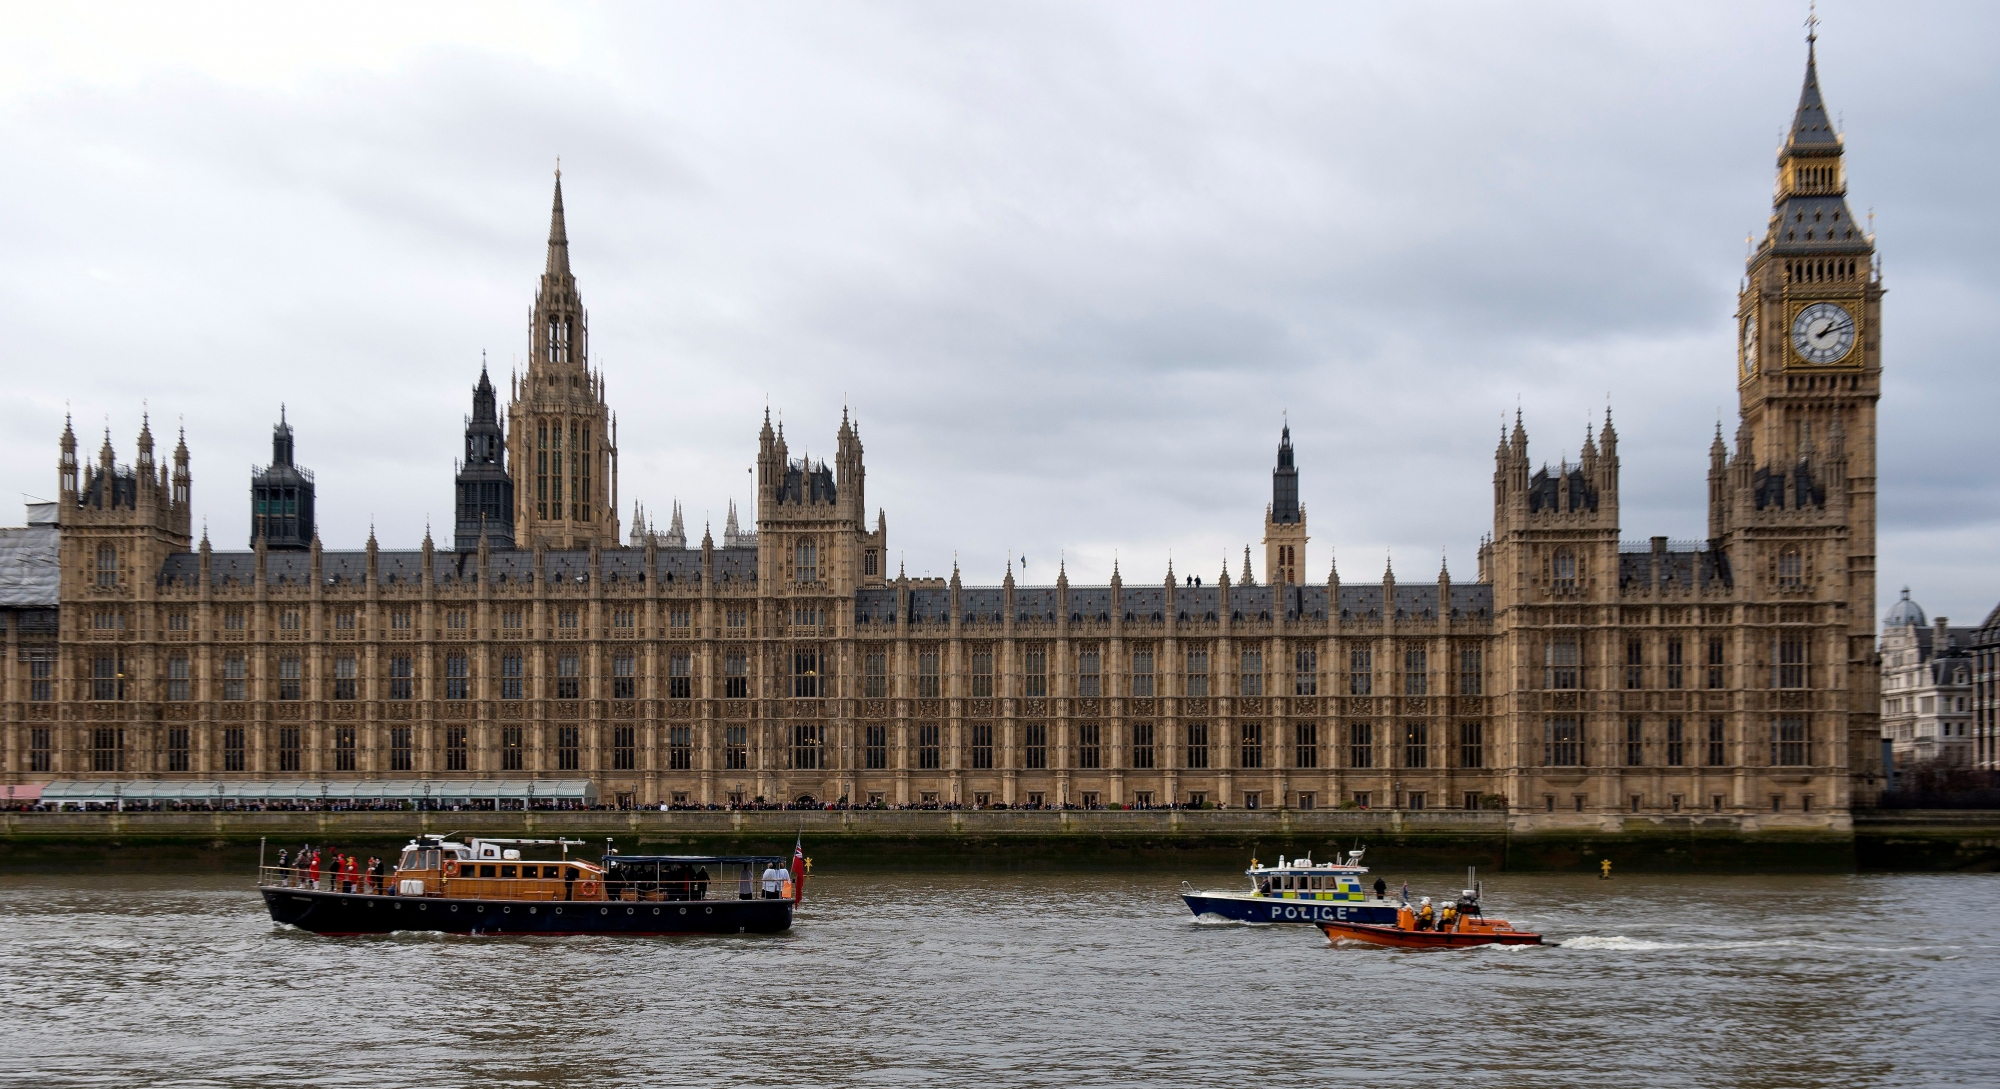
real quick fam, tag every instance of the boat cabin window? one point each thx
(432, 859)
(569, 874)
(1315, 882)
(507, 871)
(409, 861)
(487, 871)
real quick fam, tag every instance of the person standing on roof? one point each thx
(1381, 889)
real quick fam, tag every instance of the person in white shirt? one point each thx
(771, 882)
(784, 879)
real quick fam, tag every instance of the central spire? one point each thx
(558, 264)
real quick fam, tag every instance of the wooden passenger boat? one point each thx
(1460, 925)
(485, 886)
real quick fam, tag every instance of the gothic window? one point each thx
(233, 677)
(232, 749)
(624, 748)
(511, 746)
(542, 469)
(679, 616)
(1305, 672)
(805, 671)
(455, 619)
(569, 676)
(343, 620)
(457, 677)
(399, 748)
(1252, 753)
(805, 562)
(1792, 661)
(1676, 743)
(41, 677)
(982, 745)
(1471, 671)
(1562, 742)
(232, 620)
(1197, 673)
(569, 745)
(402, 678)
(107, 678)
(567, 618)
(399, 619)
(288, 620)
(927, 746)
(1635, 663)
(680, 748)
(177, 679)
(1361, 745)
(1142, 745)
(1251, 682)
(1560, 664)
(177, 621)
(343, 748)
(1197, 745)
(512, 680)
(805, 746)
(1416, 671)
(736, 674)
(1471, 745)
(1635, 742)
(1089, 672)
(1142, 671)
(738, 617)
(511, 619)
(107, 566)
(288, 749)
(982, 673)
(1791, 570)
(624, 682)
(1564, 568)
(1416, 745)
(177, 748)
(736, 747)
(870, 565)
(1305, 744)
(680, 675)
(621, 618)
(875, 673)
(1036, 671)
(344, 677)
(1360, 673)
(876, 744)
(1089, 745)
(1789, 742)
(1715, 654)
(1035, 746)
(928, 681)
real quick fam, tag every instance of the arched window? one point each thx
(1564, 569)
(107, 566)
(1791, 570)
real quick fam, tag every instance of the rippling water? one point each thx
(1003, 980)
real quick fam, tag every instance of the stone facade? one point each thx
(1577, 680)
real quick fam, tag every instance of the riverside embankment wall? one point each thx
(1020, 839)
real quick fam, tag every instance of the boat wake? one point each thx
(1619, 943)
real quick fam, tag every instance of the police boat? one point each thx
(1298, 891)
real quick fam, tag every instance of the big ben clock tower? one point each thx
(1795, 507)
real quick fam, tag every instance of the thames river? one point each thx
(991, 980)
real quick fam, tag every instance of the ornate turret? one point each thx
(281, 497)
(485, 490)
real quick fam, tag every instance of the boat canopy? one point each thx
(244, 791)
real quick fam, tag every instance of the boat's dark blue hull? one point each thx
(1266, 909)
(355, 913)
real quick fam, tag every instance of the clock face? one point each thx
(1823, 333)
(1750, 346)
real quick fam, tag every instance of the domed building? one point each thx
(1926, 687)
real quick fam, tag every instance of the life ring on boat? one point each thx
(451, 867)
(587, 889)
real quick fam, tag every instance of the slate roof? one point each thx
(404, 567)
(931, 605)
(1681, 570)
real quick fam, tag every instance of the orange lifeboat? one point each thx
(1461, 925)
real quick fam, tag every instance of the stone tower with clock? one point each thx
(1795, 504)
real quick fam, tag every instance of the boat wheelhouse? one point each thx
(486, 886)
(1295, 891)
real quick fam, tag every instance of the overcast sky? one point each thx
(1070, 265)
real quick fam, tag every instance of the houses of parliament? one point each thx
(1577, 678)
